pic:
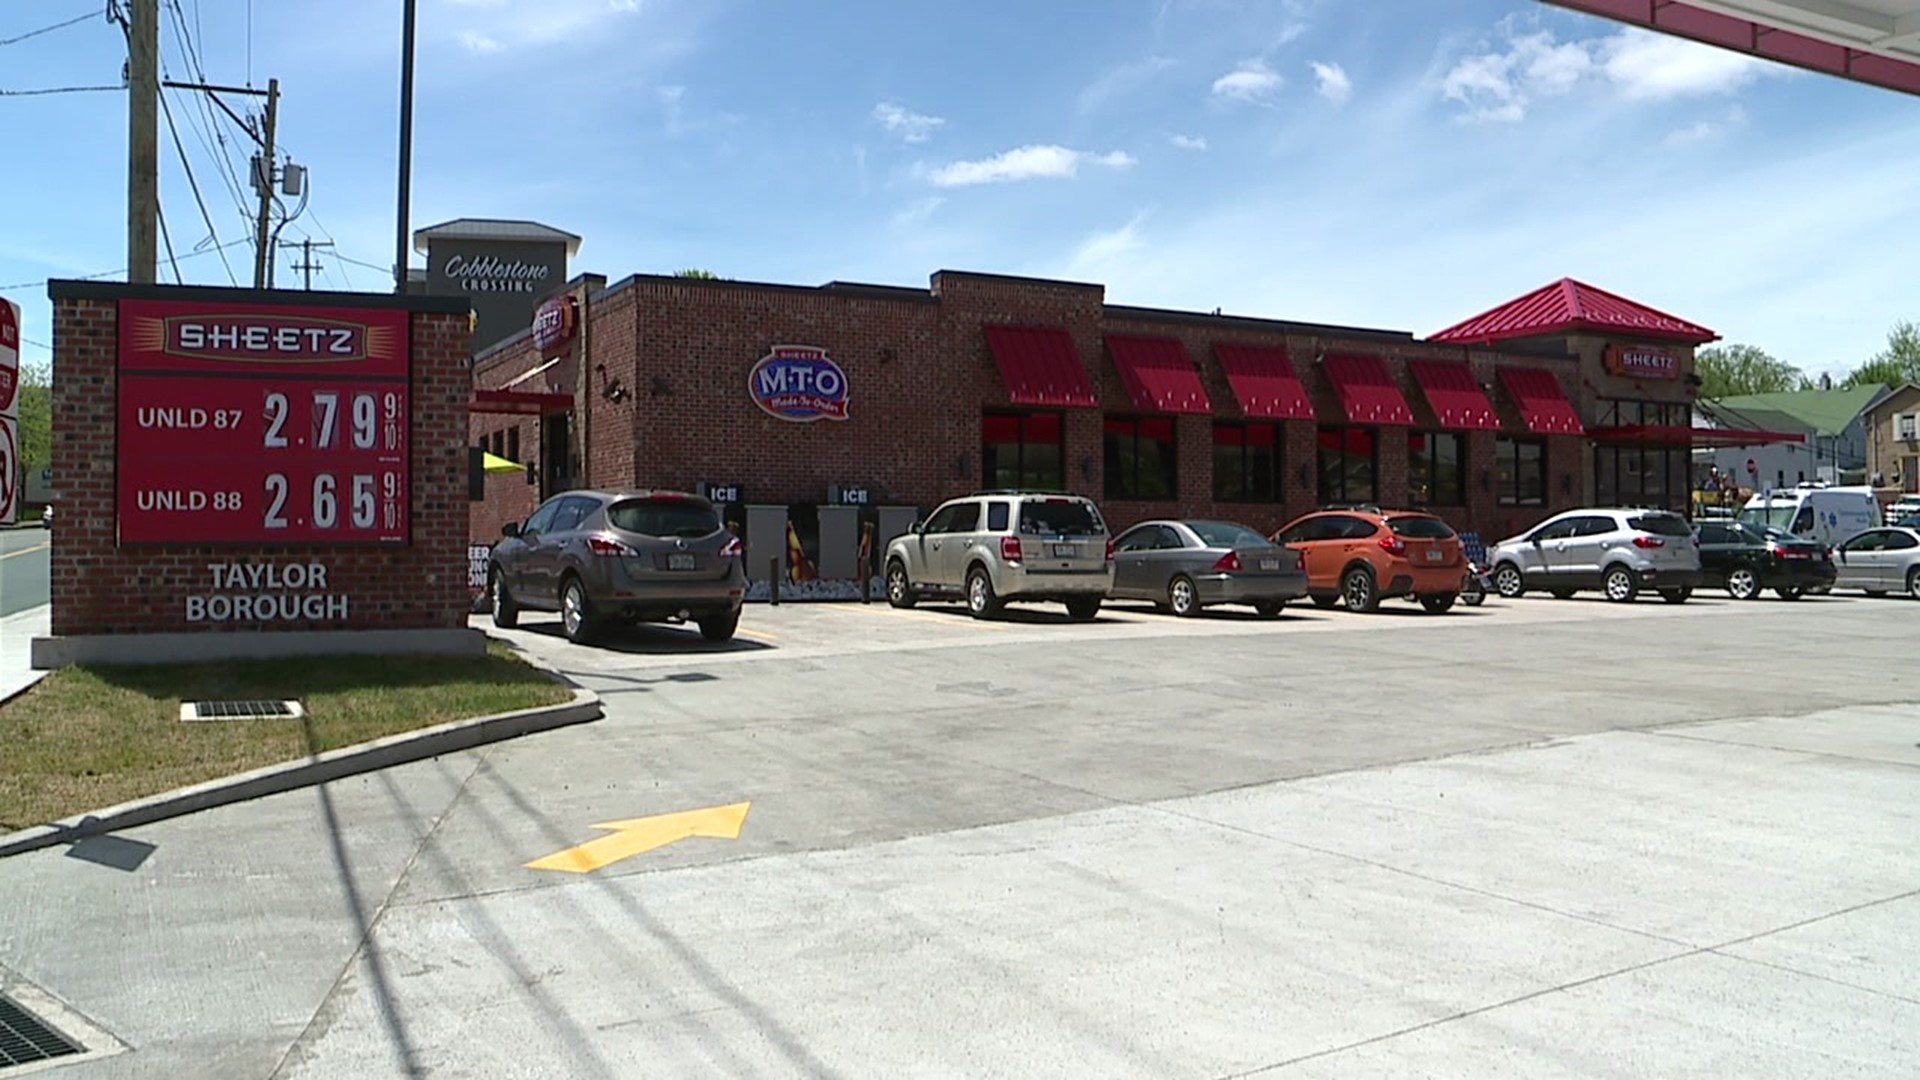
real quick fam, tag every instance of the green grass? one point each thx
(88, 738)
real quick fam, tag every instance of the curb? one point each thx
(398, 749)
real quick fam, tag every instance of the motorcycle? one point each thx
(1479, 582)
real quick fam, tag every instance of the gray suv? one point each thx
(996, 547)
(1616, 550)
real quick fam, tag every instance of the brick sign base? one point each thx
(366, 477)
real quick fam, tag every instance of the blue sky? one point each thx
(1392, 163)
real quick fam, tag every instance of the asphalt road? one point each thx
(1534, 839)
(25, 562)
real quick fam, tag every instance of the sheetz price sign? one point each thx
(272, 425)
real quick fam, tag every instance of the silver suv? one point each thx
(994, 547)
(1618, 551)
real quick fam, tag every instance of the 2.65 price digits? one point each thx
(372, 420)
(370, 501)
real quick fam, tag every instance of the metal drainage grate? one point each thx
(25, 1039)
(241, 710)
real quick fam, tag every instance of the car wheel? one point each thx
(1437, 605)
(899, 590)
(576, 611)
(506, 614)
(1325, 601)
(1181, 597)
(1509, 583)
(1358, 591)
(1676, 596)
(1562, 594)
(1743, 583)
(1083, 608)
(1790, 593)
(1913, 583)
(720, 627)
(981, 603)
(1474, 598)
(1270, 609)
(1622, 584)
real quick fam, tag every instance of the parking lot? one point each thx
(1535, 838)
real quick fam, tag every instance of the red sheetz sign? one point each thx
(258, 424)
(1637, 362)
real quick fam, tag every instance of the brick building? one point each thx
(1567, 396)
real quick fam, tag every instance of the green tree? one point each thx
(697, 275)
(1894, 365)
(1733, 370)
(35, 401)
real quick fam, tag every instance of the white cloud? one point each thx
(491, 26)
(919, 211)
(1702, 130)
(1252, 81)
(1188, 142)
(1121, 81)
(911, 126)
(1331, 82)
(1639, 65)
(1026, 163)
(1103, 250)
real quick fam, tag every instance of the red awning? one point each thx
(519, 402)
(1543, 405)
(1675, 435)
(1367, 391)
(1455, 395)
(1040, 366)
(1263, 379)
(1159, 375)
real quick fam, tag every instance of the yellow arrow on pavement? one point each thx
(636, 836)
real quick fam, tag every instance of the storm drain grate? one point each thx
(241, 710)
(24, 1039)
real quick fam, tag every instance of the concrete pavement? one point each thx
(25, 569)
(17, 632)
(1538, 839)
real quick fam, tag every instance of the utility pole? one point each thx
(263, 183)
(143, 135)
(406, 147)
(306, 262)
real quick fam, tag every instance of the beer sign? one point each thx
(1642, 362)
(799, 383)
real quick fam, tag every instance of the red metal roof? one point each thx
(1367, 391)
(1675, 435)
(1040, 366)
(1689, 20)
(1543, 405)
(1263, 379)
(521, 402)
(1158, 373)
(1455, 395)
(1571, 305)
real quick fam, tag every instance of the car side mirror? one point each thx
(918, 528)
(510, 529)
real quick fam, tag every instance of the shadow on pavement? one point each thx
(652, 639)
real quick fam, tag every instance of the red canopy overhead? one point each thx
(1040, 366)
(1367, 390)
(1569, 305)
(1455, 395)
(1543, 404)
(1159, 374)
(1263, 379)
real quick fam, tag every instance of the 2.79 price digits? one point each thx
(371, 501)
(365, 411)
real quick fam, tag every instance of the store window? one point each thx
(1433, 468)
(1629, 412)
(1520, 471)
(499, 444)
(1348, 465)
(1139, 455)
(513, 443)
(1022, 450)
(1642, 475)
(1246, 463)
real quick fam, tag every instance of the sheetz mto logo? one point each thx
(799, 383)
(253, 339)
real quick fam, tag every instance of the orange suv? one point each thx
(1362, 554)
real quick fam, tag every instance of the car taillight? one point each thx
(733, 549)
(1648, 542)
(1109, 550)
(1228, 563)
(1010, 548)
(1393, 545)
(601, 545)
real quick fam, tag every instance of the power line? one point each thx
(122, 270)
(195, 186)
(51, 29)
(167, 237)
(61, 90)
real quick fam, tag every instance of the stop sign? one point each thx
(1753, 467)
(9, 354)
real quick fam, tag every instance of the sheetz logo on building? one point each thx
(799, 383)
(293, 339)
(1638, 362)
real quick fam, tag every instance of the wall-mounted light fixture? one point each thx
(1086, 469)
(1486, 480)
(614, 392)
(964, 466)
(1306, 474)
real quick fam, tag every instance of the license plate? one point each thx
(680, 562)
(1435, 554)
(1065, 551)
(1269, 564)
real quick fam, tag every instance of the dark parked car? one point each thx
(600, 557)
(1743, 560)
(1184, 566)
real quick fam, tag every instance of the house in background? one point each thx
(1832, 422)
(1893, 439)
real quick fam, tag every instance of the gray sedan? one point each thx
(1184, 566)
(1880, 561)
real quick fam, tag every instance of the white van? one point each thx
(1814, 512)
